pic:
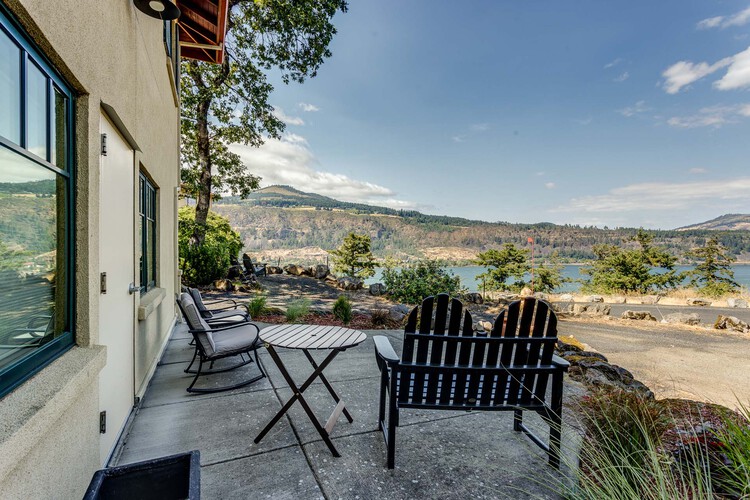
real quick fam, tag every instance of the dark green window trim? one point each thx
(16, 373)
(147, 213)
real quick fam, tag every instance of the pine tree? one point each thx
(713, 273)
(354, 257)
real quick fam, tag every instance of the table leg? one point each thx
(328, 386)
(297, 395)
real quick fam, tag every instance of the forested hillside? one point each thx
(280, 217)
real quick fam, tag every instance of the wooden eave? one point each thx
(202, 27)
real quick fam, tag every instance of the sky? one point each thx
(589, 112)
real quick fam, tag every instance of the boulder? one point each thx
(638, 315)
(349, 283)
(223, 285)
(274, 270)
(331, 280)
(596, 372)
(308, 271)
(398, 312)
(526, 292)
(592, 309)
(731, 323)
(505, 299)
(483, 326)
(617, 300)
(294, 269)
(650, 299)
(569, 343)
(683, 318)
(377, 289)
(698, 302)
(562, 308)
(566, 297)
(234, 272)
(594, 298)
(583, 354)
(474, 298)
(321, 271)
(737, 303)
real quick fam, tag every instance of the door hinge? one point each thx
(103, 282)
(104, 145)
(102, 422)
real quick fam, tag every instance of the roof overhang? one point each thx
(203, 26)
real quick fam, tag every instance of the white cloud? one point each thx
(539, 174)
(458, 138)
(738, 73)
(612, 64)
(698, 171)
(584, 121)
(739, 19)
(309, 108)
(550, 185)
(289, 120)
(638, 108)
(712, 116)
(289, 161)
(621, 78)
(665, 196)
(480, 127)
(683, 73)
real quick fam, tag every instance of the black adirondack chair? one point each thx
(451, 367)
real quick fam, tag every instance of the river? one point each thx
(468, 274)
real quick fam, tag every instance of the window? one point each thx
(147, 223)
(36, 216)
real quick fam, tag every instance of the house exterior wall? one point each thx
(114, 57)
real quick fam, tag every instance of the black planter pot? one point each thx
(166, 478)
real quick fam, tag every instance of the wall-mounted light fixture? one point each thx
(159, 9)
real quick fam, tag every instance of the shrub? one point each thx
(380, 317)
(342, 309)
(412, 283)
(257, 306)
(297, 309)
(209, 261)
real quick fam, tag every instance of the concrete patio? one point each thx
(439, 454)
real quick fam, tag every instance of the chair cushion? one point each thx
(196, 322)
(232, 315)
(235, 340)
(198, 300)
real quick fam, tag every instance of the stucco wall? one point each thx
(111, 54)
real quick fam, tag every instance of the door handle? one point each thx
(132, 288)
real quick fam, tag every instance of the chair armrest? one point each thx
(225, 328)
(384, 350)
(560, 362)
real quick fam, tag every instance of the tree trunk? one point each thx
(203, 203)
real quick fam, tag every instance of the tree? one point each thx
(618, 270)
(548, 276)
(713, 273)
(354, 258)
(228, 103)
(414, 282)
(508, 262)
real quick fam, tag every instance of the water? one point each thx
(468, 274)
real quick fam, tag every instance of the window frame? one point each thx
(147, 211)
(21, 370)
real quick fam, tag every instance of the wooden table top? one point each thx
(311, 336)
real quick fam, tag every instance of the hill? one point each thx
(278, 220)
(728, 222)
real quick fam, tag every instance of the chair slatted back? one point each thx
(197, 324)
(450, 365)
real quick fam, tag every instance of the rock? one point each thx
(223, 285)
(566, 297)
(526, 292)
(474, 298)
(698, 302)
(683, 318)
(398, 312)
(599, 373)
(294, 269)
(234, 272)
(308, 271)
(274, 270)
(562, 308)
(737, 303)
(484, 326)
(731, 323)
(505, 299)
(638, 315)
(349, 283)
(569, 343)
(650, 299)
(331, 280)
(321, 271)
(377, 289)
(592, 309)
(571, 355)
(617, 300)
(594, 298)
